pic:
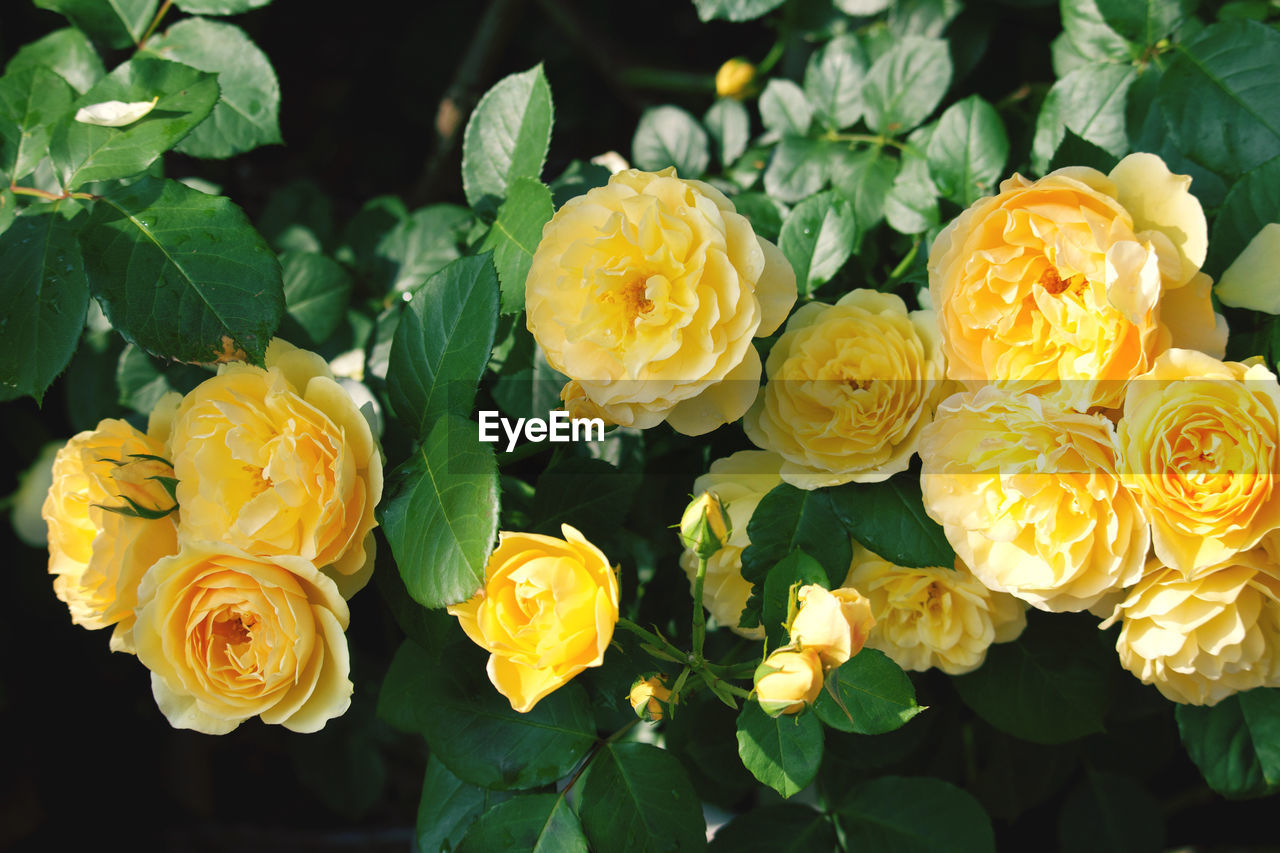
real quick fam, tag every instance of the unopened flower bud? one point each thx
(704, 527)
(788, 680)
(834, 623)
(734, 78)
(650, 696)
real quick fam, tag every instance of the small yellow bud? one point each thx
(734, 78)
(788, 680)
(704, 527)
(834, 624)
(650, 696)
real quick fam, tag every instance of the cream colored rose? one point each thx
(933, 617)
(1030, 498)
(229, 636)
(1198, 446)
(647, 293)
(787, 681)
(99, 555)
(1203, 638)
(546, 612)
(850, 387)
(833, 623)
(1072, 284)
(279, 461)
(740, 481)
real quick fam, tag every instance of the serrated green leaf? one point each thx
(730, 126)
(833, 81)
(440, 513)
(1144, 21)
(784, 828)
(119, 23)
(782, 752)
(589, 494)
(179, 272)
(31, 101)
(141, 380)
(905, 84)
(247, 113)
(914, 815)
(1110, 813)
(506, 138)
(86, 152)
(577, 178)
(1091, 38)
(219, 7)
(515, 236)
(1253, 202)
(538, 823)
(448, 806)
(636, 798)
(889, 519)
(921, 17)
(1236, 743)
(419, 246)
(43, 300)
(669, 136)
(868, 694)
(864, 178)
(817, 237)
(1074, 151)
(797, 170)
(316, 292)
(784, 108)
(764, 213)
(968, 151)
(1091, 103)
(734, 10)
(66, 52)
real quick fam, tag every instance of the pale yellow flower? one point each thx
(734, 78)
(833, 623)
(787, 681)
(649, 697)
(1253, 279)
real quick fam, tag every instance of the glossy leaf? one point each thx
(515, 236)
(316, 292)
(889, 519)
(817, 237)
(637, 798)
(506, 138)
(1091, 103)
(905, 84)
(784, 108)
(865, 178)
(1236, 743)
(66, 52)
(1145, 22)
(868, 694)
(795, 568)
(219, 7)
(784, 828)
(914, 815)
(734, 10)
(31, 100)
(782, 752)
(669, 136)
(833, 81)
(730, 126)
(419, 246)
(589, 494)
(797, 170)
(537, 823)
(968, 150)
(1110, 813)
(448, 806)
(119, 23)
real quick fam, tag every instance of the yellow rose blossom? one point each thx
(833, 623)
(1072, 284)
(740, 481)
(1198, 446)
(1200, 639)
(279, 461)
(229, 636)
(734, 78)
(787, 681)
(850, 387)
(545, 613)
(1030, 498)
(933, 617)
(647, 292)
(99, 556)
(649, 697)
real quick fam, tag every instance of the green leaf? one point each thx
(43, 301)
(118, 23)
(905, 84)
(440, 513)
(784, 828)
(248, 110)
(1253, 202)
(219, 7)
(968, 151)
(784, 108)
(415, 249)
(636, 798)
(515, 236)
(1090, 102)
(589, 494)
(817, 238)
(1109, 813)
(1074, 151)
(868, 694)
(67, 52)
(31, 100)
(442, 344)
(530, 392)
(786, 519)
(141, 380)
(669, 136)
(730, 126)
(448, 806)
(1220, 99)
(889, 519)
(914, 815)
(1145, 21)
(1236, 743)
(1089, 34)
(298, 217)
(865, 178)
(507, 137)
(538, 823)
(782, 752)
(471, 727)
(764, 213)
(179, 272)
(734, 10)
(797, 170)
(316, 292)
(862, 8)
(1049, 686)
(912, 204)
(795, 568)
(87, 152)
(833, 81)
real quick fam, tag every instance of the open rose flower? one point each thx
(832, 623)
(850, 387)
(229, 636)
(647, 292)
(546, 612)
(106, 481)
(933, 617)
(279, 461)
(1030, 498)
(1199, 447)
(1072, 284)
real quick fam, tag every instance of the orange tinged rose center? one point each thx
(1054, 283)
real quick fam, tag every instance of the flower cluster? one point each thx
(224, 542)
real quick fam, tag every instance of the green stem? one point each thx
(595, 750)
(771, 58)
(877, 140)
(32, 191)
(905, 264)
(699, 615)
(524, 451)
(653, 638)
(643, 77)
(155, 22)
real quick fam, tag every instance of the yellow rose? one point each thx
(1072, 284)
(545, 613)
(740, 481)
(788, 680)
(933, 617)
(850, 387)
(734, 78)
(229, 636)
(1030, 498)
(704, 527)
(1200, 639)
(649, 697)
(99, 556)
(833, 623)
(279, 461)
(647, 293)
(1198, 447)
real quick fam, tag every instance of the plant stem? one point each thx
(699, 615)
(772, 57)
(652, 638)
(32, 191)
(595, 750)
(155, 22)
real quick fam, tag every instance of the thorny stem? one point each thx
(155, 22)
